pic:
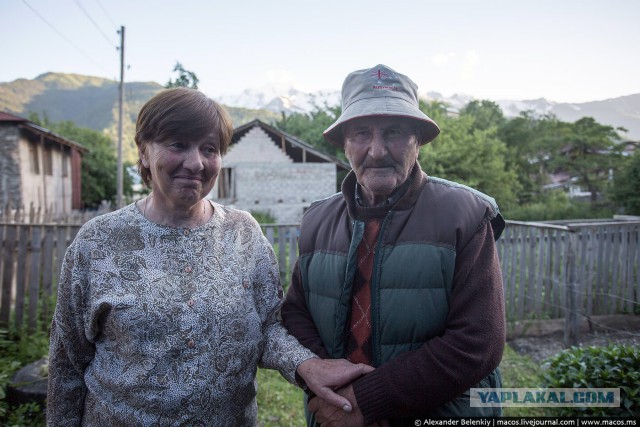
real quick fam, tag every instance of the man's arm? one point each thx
(444, 367)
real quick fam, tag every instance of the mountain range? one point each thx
(93, 102)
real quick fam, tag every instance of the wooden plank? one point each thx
(548, 279)
(581, 259)
(293, 252)
(269, 234)
(625, 303)
(504, 264)
(589, 270)
(606, 273)
(599, 267)
(522, 274)
(8, 256)
(513, 284)
(615, 290)
(558, 280)
(539, 291)
(282, 250)
(530, 291)
(21, 274)
(34, 276)
(61, 245)
(47, 271)
(634, 266)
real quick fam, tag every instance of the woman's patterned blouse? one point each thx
(162, 326)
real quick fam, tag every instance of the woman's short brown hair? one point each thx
(180, 113)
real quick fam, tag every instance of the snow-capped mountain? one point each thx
(290, 100)
(617, 112)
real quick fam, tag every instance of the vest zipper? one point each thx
(375, 306)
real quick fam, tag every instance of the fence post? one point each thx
(572, 326)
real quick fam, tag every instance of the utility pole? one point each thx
(120, 109)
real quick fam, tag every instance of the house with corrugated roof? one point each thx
(38, 167)
(270, 171)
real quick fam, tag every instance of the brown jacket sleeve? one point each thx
(468, 350)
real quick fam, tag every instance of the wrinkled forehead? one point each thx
(381, 122)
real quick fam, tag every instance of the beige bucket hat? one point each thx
(380, 91)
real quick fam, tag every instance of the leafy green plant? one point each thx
(613, 366)
(17, 349)
(263, 217)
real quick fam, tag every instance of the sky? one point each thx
(561, 50)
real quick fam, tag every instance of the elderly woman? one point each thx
(167, 306)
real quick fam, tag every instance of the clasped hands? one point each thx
(334, 403)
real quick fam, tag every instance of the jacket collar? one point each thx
(402, 198)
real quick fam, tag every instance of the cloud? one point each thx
(443, 59)
(461, 64)
(469, 64)
(280, 78)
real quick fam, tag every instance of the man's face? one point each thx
(381, 151)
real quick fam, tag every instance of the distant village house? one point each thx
(267, 170)
(38, 167)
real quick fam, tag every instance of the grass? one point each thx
(280, 403)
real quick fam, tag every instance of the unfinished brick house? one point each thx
(267, 170)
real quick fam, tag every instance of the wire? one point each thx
(106, 14)
(94, 23)
(65, 37)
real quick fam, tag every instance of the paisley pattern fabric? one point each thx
(166, 326)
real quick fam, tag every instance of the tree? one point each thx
(470, 156)
(626, 187)
(485, 114)
(185, 78)
(309, 127)
(530, 140)
(99, 165)
(588, 152)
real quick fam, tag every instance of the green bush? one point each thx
(613, 366)
(263, 217)
(17, 349)
(557, 205)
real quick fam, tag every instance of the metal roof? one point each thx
(40, 131)
(293, 145)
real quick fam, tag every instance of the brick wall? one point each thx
(9, 166)
(267, 180)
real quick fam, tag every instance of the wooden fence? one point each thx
(550, 271)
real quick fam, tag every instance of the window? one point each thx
(65, 161)
(34, 158)
(47, 161)
(226, 187)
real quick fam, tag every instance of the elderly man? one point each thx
(399, 270)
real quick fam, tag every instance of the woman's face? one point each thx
(182, 172)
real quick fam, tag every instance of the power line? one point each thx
(95, 24)
(105, 13)
(65, 37)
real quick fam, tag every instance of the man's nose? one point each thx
(378, 146)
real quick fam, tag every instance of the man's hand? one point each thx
(322, 376)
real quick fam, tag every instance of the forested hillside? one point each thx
(92, 102)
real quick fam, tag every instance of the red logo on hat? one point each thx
(379, 74)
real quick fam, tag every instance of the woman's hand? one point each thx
(323, 376)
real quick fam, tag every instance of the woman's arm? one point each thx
(70, 352)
